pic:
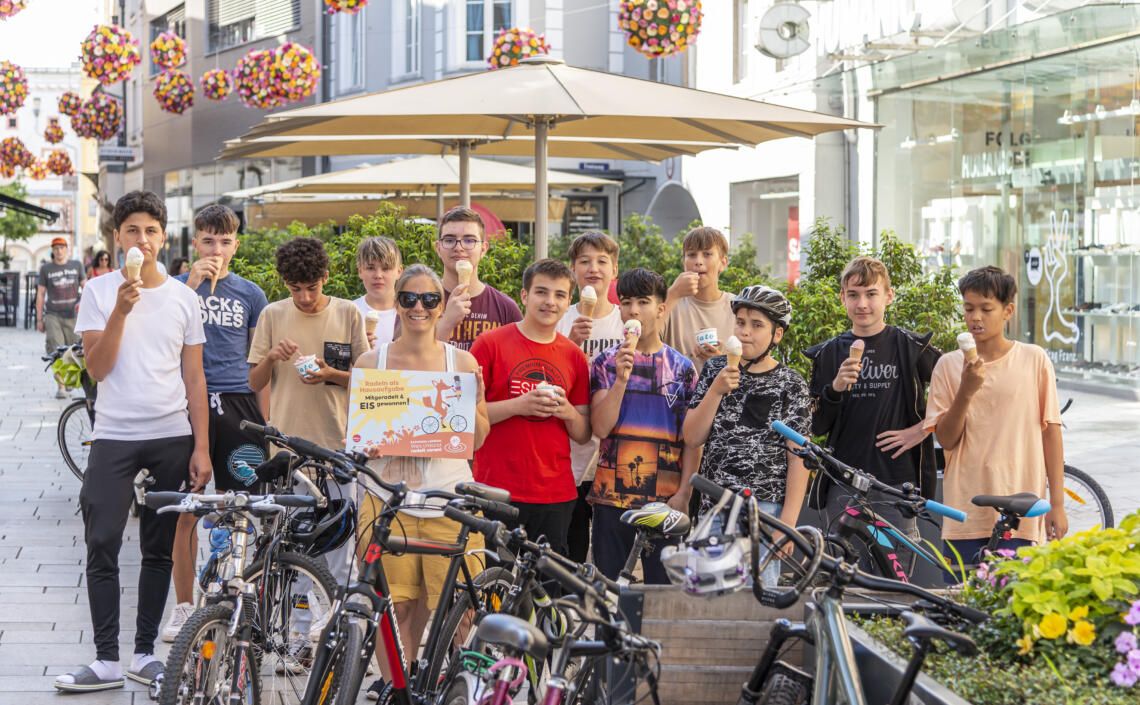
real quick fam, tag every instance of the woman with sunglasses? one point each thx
(100, 264)
(415, 581)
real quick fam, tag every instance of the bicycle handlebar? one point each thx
(864, 480)
(830, 564)
(339, 461)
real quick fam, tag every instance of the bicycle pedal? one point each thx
(154, 688)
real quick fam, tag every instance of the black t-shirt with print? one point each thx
(883, 399)
(742, 449)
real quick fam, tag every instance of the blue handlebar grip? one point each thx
(948, 512)
(781, 428)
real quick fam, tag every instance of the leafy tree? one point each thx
(15, 227)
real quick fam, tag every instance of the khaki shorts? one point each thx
(412, 575)
(60, 330)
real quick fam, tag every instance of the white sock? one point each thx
(105, 670)
(140, 661)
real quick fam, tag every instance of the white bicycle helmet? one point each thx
(711, 565)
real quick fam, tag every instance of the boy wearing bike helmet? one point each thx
(732, 410)
(872, 408)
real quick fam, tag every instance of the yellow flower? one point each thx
(1078, 613)
(1052, 625)
(1026, 644)
(1083, 633)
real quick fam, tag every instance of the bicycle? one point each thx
(218, 654)
(835, 679)
(77, 420)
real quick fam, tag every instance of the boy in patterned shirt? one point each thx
(732, 410)
(640, 392)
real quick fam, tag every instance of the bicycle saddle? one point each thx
(506, 630)
(657, 518)
(920, 628)
(1022, 504)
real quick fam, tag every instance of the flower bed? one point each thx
(1065, 625)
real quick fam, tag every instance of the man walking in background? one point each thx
(57, 297)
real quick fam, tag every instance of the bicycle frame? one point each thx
(882, 538)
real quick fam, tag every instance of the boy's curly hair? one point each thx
(302, 260)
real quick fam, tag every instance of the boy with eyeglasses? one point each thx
(472, 307)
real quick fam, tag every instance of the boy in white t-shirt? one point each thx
(378, 265)
(143, 340)
(594, 260)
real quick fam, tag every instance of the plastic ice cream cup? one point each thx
(708, 336)
(306, 365)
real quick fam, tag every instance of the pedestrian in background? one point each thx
(57, 297)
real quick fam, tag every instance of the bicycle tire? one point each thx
(278, 608)
(186, 654)
(490, 579)
(355, 664)
(457, 693)
(1086, 503)
(78, 426)
(328, 681)
(782, 690)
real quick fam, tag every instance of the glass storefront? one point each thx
(1019, 149)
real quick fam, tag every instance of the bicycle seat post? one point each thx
(913, 666)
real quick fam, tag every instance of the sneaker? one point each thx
(297, 659)
(376, 689)
(177, 619)
(60, 394)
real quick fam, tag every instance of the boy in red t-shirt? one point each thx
(538, 397)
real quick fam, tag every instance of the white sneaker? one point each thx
(178, 617)
(298, 656)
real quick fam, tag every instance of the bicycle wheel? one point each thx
(295, 601)
(74, 436)
(458, 692)
(1086, 504)
(782, 690)
(203, 664)
(494, 582)
(355, 664)
(327, 681)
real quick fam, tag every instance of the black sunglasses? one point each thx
(408, 299)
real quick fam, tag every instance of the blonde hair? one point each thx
(705, 238)
(381, 250)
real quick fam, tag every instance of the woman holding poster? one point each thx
(415, 580)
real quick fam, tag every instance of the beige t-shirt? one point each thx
(1001, 451)
(691, 315)
(316, 412)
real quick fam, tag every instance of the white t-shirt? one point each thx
(385, 327)
(143, 397)
(607, 332)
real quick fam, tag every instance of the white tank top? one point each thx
(420, 473)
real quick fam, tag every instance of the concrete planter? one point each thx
(881, 669)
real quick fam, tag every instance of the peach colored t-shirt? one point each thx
(1001, 451)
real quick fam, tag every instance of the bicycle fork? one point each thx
(782, 630)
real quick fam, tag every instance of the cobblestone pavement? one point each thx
(45, 626)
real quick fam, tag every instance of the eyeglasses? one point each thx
(408, 299)
(468, 243)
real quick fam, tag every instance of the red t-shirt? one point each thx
(529, 457)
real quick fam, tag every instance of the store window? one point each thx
(172, 21)
(484, 20)
(1035, 168)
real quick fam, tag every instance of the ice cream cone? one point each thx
(370, 320)
(856, 352)
(463, 270)
(632, 331)
(734, 350)
(213, 284)
(133, 263)
(588, 301)
(968, 346)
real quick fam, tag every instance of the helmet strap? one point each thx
(771, 344)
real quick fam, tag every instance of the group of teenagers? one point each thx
(576, 420)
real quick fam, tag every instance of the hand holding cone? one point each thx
(856, 352)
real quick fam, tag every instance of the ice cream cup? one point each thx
(708, 336)
(306, 365)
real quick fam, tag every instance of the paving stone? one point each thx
(39, 636)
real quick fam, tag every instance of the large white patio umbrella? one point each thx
(421, 174)
(543, 94)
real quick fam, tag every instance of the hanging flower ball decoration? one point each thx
(109, 54)
(515, 44)
(70, 103)
(14, 153)
(660, 28)
(253, 79)
(7, 171)
(13, 87)
(53, 133)
(348, 6)
(59, 163)
(217, 84)
(174, 91)
(100, 118)
(296, 73)
(37, 170)
(168, 50)
(11, 7)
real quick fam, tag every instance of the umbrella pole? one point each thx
(541, 209)
(438, 203)
(465, 173)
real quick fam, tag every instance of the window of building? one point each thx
(12, 123)
(172, 21)
(484, 20)
(412, 11)
(347, 48)
(234, 22)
